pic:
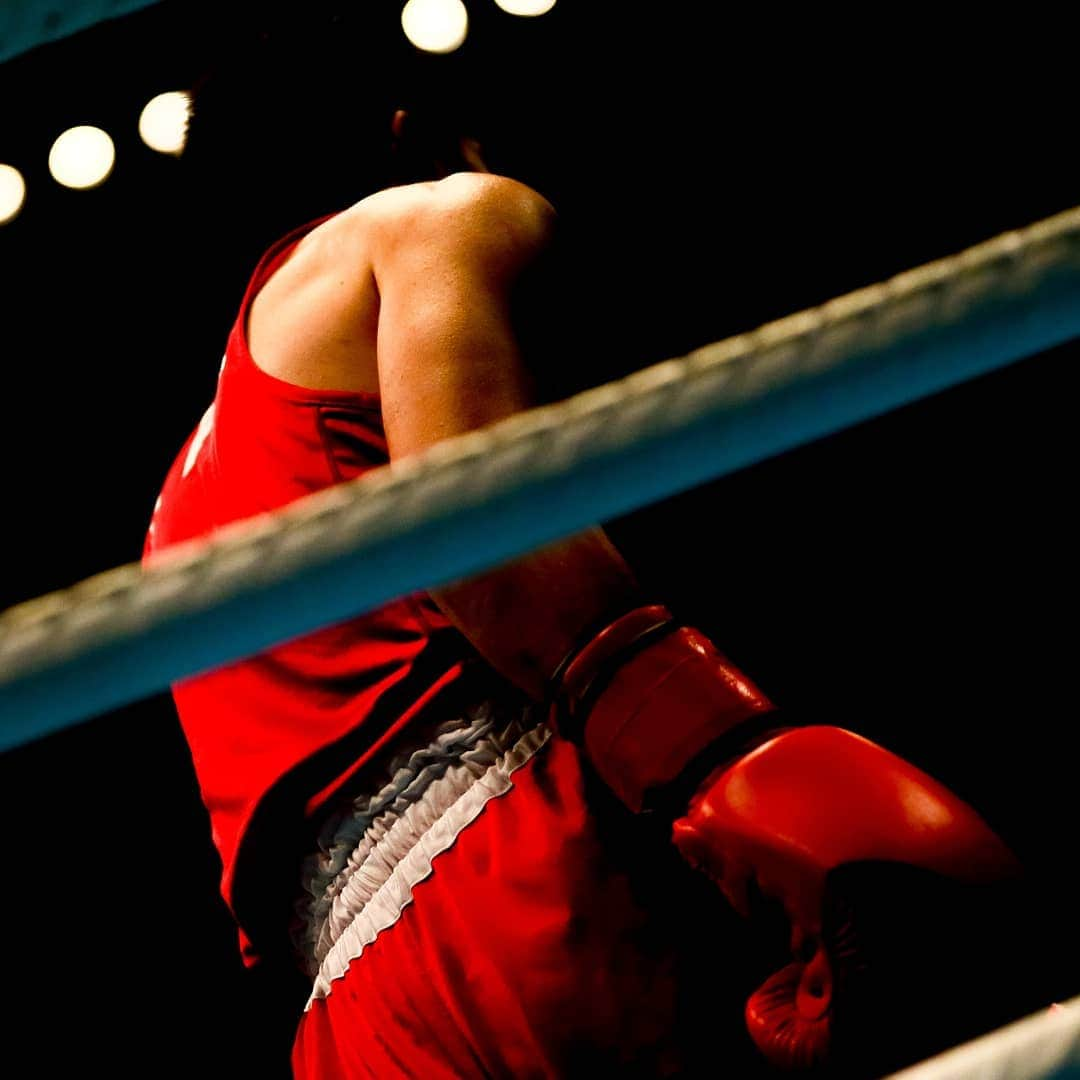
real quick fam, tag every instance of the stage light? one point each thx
(164, 120)
(12, 193)
(526, 7)
(82, 157)
(437, 26)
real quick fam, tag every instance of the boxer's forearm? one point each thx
(523, 618)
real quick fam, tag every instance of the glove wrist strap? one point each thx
(584, 674)
(646, 696)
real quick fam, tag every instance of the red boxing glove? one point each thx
(798, 808)
(655, 706)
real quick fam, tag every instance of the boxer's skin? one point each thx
(409, 294)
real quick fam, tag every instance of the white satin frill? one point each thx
(360, 885)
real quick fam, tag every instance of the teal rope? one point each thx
(497, 493)
(25, 24)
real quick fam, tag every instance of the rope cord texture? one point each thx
(25, 24)
(496, 493)
(1045, 1046)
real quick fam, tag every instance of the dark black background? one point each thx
(912, 577)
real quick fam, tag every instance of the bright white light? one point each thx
(526, 7)
(12, 192)
(82, 157)
(163, 122)
(437, 26)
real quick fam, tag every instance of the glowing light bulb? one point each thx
(526, 7)
(164, 120)
(437, 26)
(82, 157)
(12, 193)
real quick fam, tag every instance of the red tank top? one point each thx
(275, 737)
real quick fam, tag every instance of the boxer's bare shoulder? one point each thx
(465, 216)
(315, 322)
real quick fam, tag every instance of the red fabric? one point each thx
(264, 444)
(523, 954)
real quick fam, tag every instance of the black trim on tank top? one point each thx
(267, 868)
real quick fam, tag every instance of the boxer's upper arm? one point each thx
(446, 259)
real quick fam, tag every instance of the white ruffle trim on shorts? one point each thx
(364, 880)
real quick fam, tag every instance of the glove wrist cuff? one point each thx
(588, 670)
(646, 697)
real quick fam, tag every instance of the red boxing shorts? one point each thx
(466, 920)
